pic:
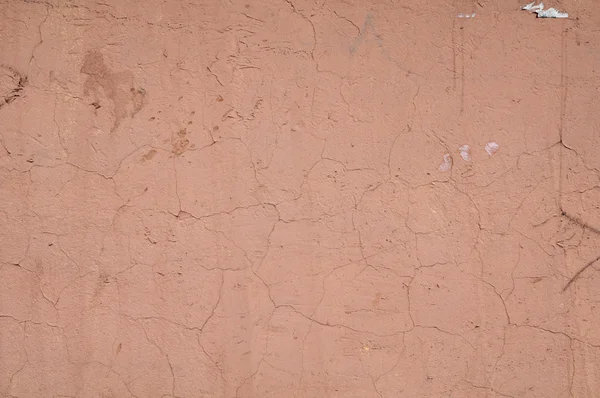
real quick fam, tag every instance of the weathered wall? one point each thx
(244, 198)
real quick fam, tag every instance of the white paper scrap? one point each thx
(541, 13)
(531, 7)
(551, 13)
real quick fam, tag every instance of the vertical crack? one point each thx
(39, 43)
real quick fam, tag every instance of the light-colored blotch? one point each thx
(465, 153)
(446, 163)
(491, 148)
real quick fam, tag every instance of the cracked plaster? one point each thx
(241, 199)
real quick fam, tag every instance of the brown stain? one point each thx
(117, 86)
(376, 300)
(180, 142)
(149, 155)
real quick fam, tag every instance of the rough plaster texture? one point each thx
(242, 199)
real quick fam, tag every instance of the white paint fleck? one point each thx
(465, 153)
(491, 148)
(446, 163)
(461, 15)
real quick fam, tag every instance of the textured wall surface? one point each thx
(247, 198)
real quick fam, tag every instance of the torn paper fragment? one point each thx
(465, 153)
(491, 148)
(551, 13)
(537, 8)
(528, 6)
(541, 13)
(531, 7)
(446, 163)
